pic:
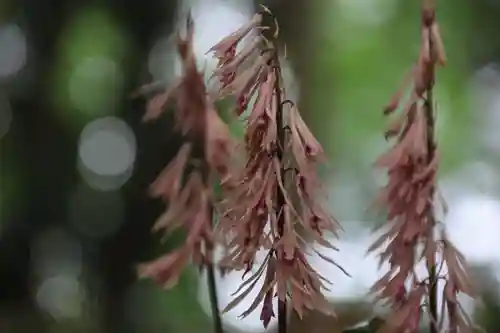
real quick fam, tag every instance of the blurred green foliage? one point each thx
(360, 65)
(82, 92)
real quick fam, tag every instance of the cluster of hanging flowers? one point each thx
(274, 194)
(185, 183)
(415, 235)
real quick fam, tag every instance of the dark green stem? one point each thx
(214, 302)
(427, 20)
(211, 282)
(280, 200)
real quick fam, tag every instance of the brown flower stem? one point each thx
(280, 200)
(428, 16)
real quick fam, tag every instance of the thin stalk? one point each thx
(212, 293)
(431, 148)
(282, 304)
(433, 280)
(212, 286)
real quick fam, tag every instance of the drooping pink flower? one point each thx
(260, 211)
(228, 44)
(408, 196)
(185, 185)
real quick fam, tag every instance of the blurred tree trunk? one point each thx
(132, 243)
(42, 153)
(484, 45)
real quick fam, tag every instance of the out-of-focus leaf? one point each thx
(371, 327)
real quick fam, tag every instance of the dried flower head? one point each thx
(281, 151)
(185, 184)
(225, 50)
(410, 200)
